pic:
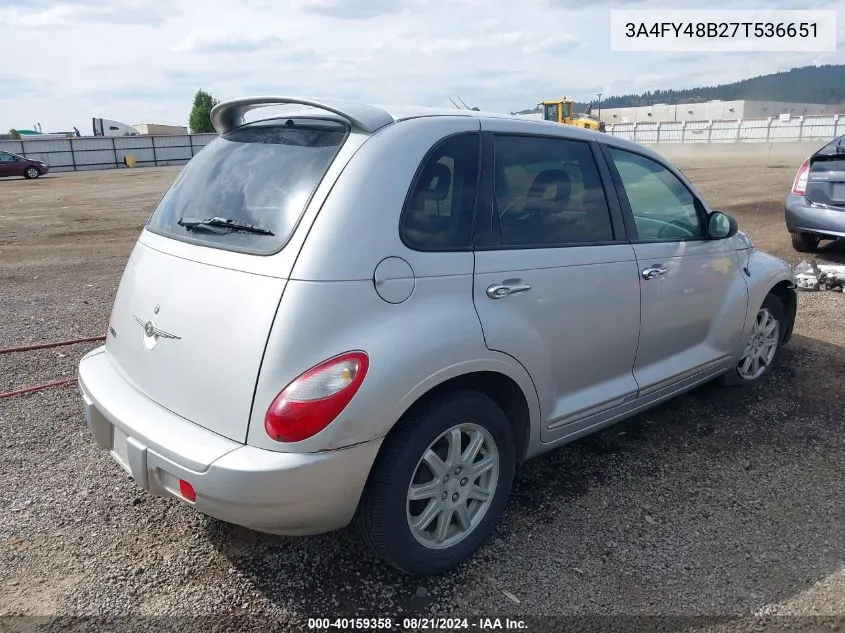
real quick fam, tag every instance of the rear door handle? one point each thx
(498, 291)
(653, 272)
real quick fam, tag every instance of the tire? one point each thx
(773, 307)
(385, 513)
(804, 242)
(31, 172)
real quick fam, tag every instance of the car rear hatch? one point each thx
(826, 177)
(196, 302)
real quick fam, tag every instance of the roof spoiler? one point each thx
(228, 115)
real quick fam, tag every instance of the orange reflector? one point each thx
(187, 490)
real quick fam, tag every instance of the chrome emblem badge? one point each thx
(152, 333)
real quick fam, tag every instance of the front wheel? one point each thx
(763, 345)
(440, 484)
(31, 172)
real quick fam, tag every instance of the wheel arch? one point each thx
(512, 391)
(770, 275)
(785, 292)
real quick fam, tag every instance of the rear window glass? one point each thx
(262, 175)
(829, 158)
(835, 147)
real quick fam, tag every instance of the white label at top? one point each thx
(722, 31)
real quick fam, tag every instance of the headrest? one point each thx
(550, 177)
(434, 182)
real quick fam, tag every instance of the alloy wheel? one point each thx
(453, 486)
(761, 347)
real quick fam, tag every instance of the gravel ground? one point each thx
(724, 502)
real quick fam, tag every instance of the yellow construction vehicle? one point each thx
(563, 111)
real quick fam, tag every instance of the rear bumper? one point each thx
(269, 491)
(801, 217)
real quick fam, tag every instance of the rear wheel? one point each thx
(763, 345)
(805, 242)
(439, 485)
(31, 172)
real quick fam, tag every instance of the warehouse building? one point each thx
(714, 110)
(158, 129)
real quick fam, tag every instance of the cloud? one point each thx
(595, 4)
(15, 87)
(71, 14)
(199, 42)
(499, 55)
(523, 42)
(356, 9)
(135, 92)
(185, 76)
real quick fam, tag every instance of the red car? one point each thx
(14, 165)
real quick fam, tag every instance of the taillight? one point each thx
(799, 185)
(312, 401)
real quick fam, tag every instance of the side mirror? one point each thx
(721, 226)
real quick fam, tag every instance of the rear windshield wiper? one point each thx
(223, 223)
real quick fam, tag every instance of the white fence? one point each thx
(803, 128)
(108, 152)
(99, 152)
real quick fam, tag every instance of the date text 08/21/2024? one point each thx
(745, 30)
(416, 624)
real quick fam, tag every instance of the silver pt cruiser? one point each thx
(351, 314)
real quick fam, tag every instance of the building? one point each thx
(160, 130)
(714, 110)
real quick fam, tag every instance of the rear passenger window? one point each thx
(548, 193)
(438, 213)
(662, 206)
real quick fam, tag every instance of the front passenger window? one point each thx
(664, 209)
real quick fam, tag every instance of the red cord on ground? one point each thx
(27, 348)
(46, 385)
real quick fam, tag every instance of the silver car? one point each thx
(349, 314)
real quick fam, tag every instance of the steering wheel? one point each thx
(522, 213)
(675, 227)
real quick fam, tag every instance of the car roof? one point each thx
(369, 118)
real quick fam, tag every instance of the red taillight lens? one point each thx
(312, 402)
(187, 490)
(799, 185)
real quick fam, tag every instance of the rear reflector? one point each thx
(799, 185)
(187, 491)
(312, 402)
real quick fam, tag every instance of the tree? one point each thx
(16, 136)
(200, 119)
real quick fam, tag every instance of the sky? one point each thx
(66, 61)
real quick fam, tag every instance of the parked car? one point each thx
(350, 314)
(815, 207)
(14, 165)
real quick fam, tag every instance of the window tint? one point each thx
(6, 158)
(548, 193)
(438, 214)
(261, 174)
(835, 147)
(663, 208)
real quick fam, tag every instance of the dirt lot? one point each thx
(721, 503)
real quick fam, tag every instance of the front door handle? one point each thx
(498, 291)
(653, 272)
